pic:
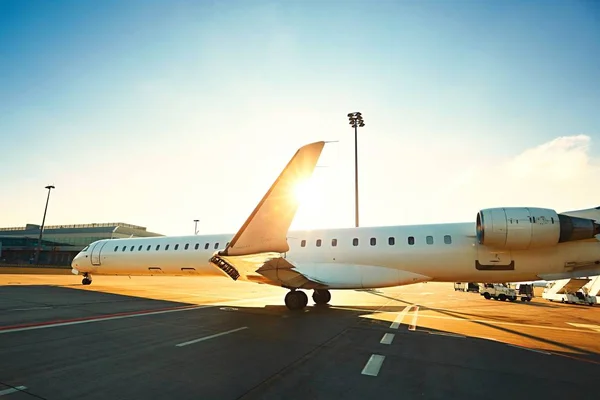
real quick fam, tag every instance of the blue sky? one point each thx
(160, 112)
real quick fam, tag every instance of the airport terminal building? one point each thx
(60, 243)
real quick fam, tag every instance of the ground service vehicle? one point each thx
(497, 291)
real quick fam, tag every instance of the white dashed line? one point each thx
(373, 365)
(210, 337)
(387, 338)
(399, 318)
(12, 390)
(413, 324)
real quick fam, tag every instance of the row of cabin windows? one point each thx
(373, 241)
(176, 247)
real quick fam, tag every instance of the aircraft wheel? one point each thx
(321, 296)
(296, 300)
(86, 281)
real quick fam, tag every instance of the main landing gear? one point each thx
(87, 279)
(297, 299)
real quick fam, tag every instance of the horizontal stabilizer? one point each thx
(266, 228)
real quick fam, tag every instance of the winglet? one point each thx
(266, 228)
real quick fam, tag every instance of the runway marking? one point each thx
(400, 317)
(527, 348)
(12, 390)
(30, 308)
(387, 338)
(448, 334)
(210, 337)
(588, 326)
(487, 321)
(373, 365)
(413, 324)
(87, 320)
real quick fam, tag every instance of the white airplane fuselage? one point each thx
(353, 258)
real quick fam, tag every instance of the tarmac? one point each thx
(212, 338)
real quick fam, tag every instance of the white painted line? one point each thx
(413, 324)
(527, 348)
(373, 365)
(210, 337)
(588, 326)
(31, 308)
(99, 319)
(399, 318)
(448, 334)
(491, 322)
(387, 338)
(12, 390)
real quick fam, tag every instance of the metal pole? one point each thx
(196, 226)
(39, 246)
(356, 175)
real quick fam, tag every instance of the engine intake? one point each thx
(521, 228)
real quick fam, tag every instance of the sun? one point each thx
(303, 191)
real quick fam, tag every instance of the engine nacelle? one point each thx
(520, 228)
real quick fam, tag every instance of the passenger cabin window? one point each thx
(216, 245)
(124, 248)
(447, 239)
(303, 243)
(176, 246)
(391, 241)
(140, 248)
(411, 240)
(373, 241)
(429, 239)
(148, 249)
(157, 247)
(333, 242)
(196, 246)
(132, 247)
(355, 242)
(116, 248)
(167, 247)
(187, 246)
(318, 242)
(206, 246)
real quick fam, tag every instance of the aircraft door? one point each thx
(96, 252)
(489, 259)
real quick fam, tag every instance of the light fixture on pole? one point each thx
(39, 246)
(356, 121)
(196, 226)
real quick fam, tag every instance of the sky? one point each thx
(156, 113)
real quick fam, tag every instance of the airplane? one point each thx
(507, 244)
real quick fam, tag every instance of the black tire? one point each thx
(321, 297)
(296, 300)
(502, 297)
(487, 296)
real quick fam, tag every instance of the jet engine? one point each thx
(521, 228)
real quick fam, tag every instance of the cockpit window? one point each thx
(85, 248)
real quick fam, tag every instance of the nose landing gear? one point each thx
(87, 279)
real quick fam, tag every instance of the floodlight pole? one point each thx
(39, 246)
(196, 226)
(356, 121)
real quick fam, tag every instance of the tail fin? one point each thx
(266, 228)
